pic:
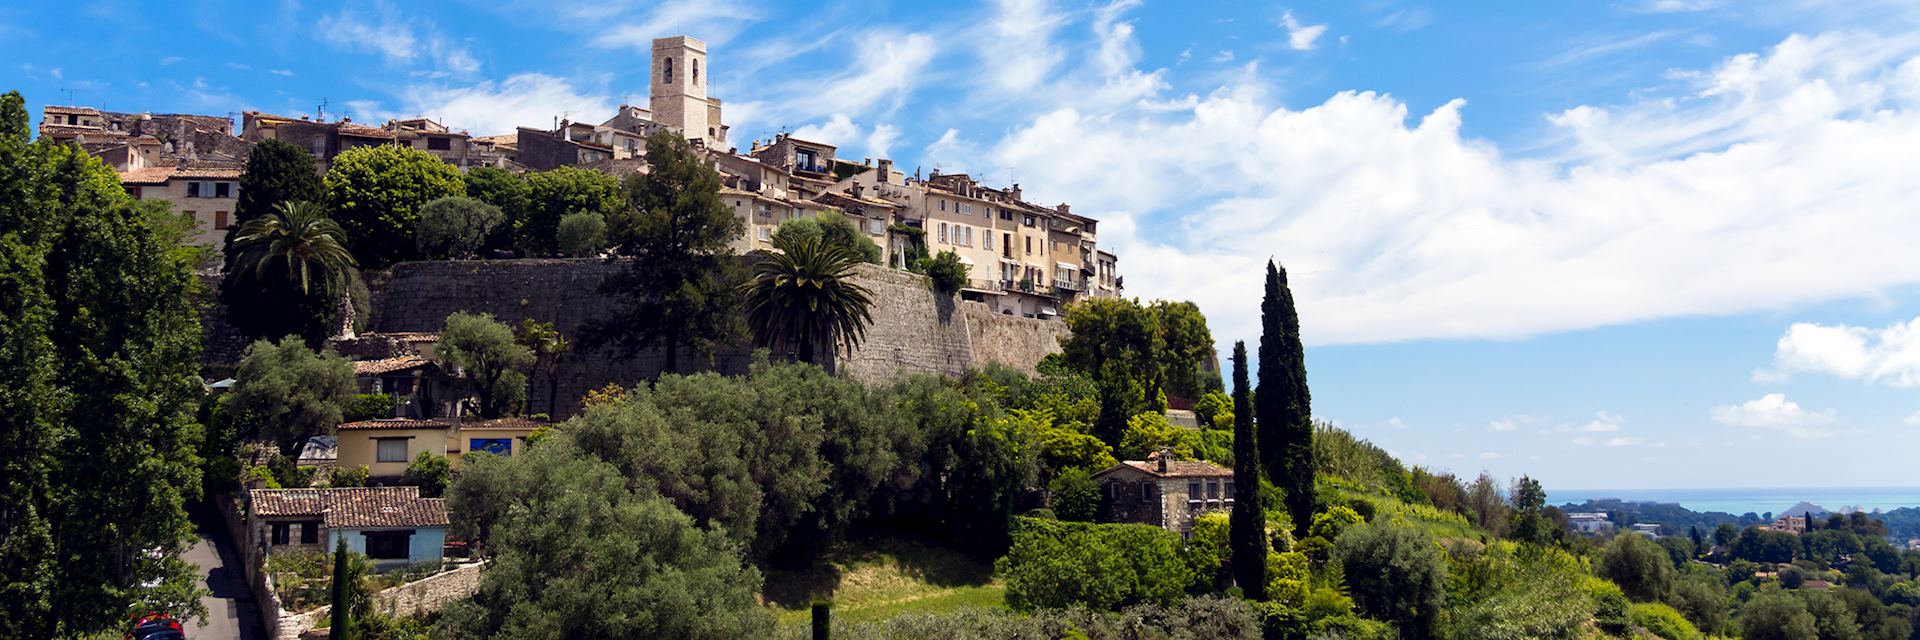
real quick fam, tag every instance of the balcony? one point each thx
(989, 286)
(1066, 284)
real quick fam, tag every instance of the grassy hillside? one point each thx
(882, 579)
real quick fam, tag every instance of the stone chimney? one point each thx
(886, 171)
(1165, 455)
(1063, 208)
(1016, 191)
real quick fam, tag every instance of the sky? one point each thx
(1610, 245)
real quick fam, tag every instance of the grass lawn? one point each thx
(871, 581)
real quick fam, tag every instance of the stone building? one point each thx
(207, 193)
(1163, 492)
(678, 92)
(393, 526)
(569, 145)
(327, 140)
(165, 138)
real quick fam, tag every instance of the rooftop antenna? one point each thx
(322, 110)
(70, 102)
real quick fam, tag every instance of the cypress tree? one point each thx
(276, 172)
(1249, 530)
(1286, 438)
(342, 624)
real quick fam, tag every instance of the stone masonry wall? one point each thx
(913, 330)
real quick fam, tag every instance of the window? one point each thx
(943, 205)
(219, 220)
(987, 242)
(73, 119)
(1006, 244)
(387, 545)
(669, 71)
(804, 157)
(1229, 491)
(391, 449)
(309, 533)
(1027, 220)
(943, 232)
(280, 533)
(966, 235)
(319, 147)
(222, 189)
(495, 446)
(1213, 489)
(1193, 489)
(193, 189)
(1029, 245)
(766, 234)
(439, 144)
(696, 75)
(1146, 491)
(1006, 215)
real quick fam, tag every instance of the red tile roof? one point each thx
(378, 424)
(148, 175)
(353, 507)
(1175, 469)
(388, 365)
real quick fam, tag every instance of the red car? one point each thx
(154, 625)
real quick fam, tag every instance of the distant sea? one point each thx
(1740, 501)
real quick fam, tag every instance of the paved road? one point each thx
(231, 614)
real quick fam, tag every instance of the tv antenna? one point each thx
(321, 110)
(69, 92)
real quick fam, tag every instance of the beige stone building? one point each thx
(207, 193)
(678, 96)
(386, 446)
(1163, 492)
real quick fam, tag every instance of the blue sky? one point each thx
(1639, 243)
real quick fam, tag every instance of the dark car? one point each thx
(155, 626)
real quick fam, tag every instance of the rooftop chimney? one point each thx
(1015, 192)
(1063, 208)
(1165, 454)
(886, 171)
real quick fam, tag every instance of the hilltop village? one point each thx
(1023, 258)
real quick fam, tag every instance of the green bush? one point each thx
(1610, 605)
(430, 471)
(581, 235)
(1395, 573)
(1215, 411)
(355, 476)
(1641, 568)
(1075, 496)
(1055, 564)
(1150, 432)
(947, 272)
(1663, 621)
(368, 406)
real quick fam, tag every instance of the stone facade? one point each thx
(1167, 495)
(914, 329)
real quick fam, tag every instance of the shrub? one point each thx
(1396, 574)
(1703, 601)
(1102, 566)
(455, 226)
(1075, 496)
(947, 272)
(430, 471)
(367, 406)
(1776, 615)
(1663, 621)
(355, 476)
(1328, 524)
(1610, 605)
(1641, 568)
(581, 235)
(1149, 432)
(1215, 410)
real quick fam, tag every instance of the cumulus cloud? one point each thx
(1769, 180)
(491, 107)
(1503, 424)
(1019, 45)
(1888, 355)
(1300, 36)
(394, 39)
(1775, 412)
(837, 130)
(880, 140)
(712, 21)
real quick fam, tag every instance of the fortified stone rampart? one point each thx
(914, 329)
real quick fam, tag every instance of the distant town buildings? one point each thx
(1591, 523)
(1023, 258)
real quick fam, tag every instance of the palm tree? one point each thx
(802, 294)
(308, 247)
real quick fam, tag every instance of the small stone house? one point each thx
(392, 525)
(1164, 492)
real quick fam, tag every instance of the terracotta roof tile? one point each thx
(148, 175)
(388, 365)
(1175, 469)
(379, 424)
(354, 507)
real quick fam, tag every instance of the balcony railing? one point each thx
(995, 286)
(1065, 284)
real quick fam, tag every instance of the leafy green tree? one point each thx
(1075, 496)
(288, 393)
(376, 192)
(366, 406)
(1487, 506)
(555, 194)
(456, 227)
(507, 191)
(1639, 566)
(1285, 405)
(430, 471)
(593, 557)
(1777, 615)
(1679, 550)
(946, 271)
(832, 228)
(99, 350)
(803, 296)
(1395, 573)
(1250, 545)
(1185, 349)
(548, 346)
(1215, 410)
(1703, 601)
(289, 272)
(581, 235)
(1530, 522)
(276, 172)
(488, 358)
(679, 293)
(1055, 564)
(1149, 433)
(1725, 534)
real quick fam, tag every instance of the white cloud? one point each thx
(1774, 411)
(1225, 55)
(489, 107)
(1300, 36)
(1766, 182)
(837, 131)
(281, 72)
(880, 140)
(1396, 423)
(1019, 46)
(1913, 418)
(1503, 424)
(1602, 422)
(712, 21)
(1623, 441)
(1889, 355)
(1677, 6)
(168, 60)
(393, 38)
(1583, 440)
(1489, 455)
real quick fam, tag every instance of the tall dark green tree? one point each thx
(556, 194)
(802, 295)
(342, 591)
(1284, 406)
(679, 292)
(276, 172)
(1249, 531)
(375, 193)
(99, 345)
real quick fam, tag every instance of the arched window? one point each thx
(696, 71)
(669, 71)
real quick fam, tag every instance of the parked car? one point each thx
(154, 625)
